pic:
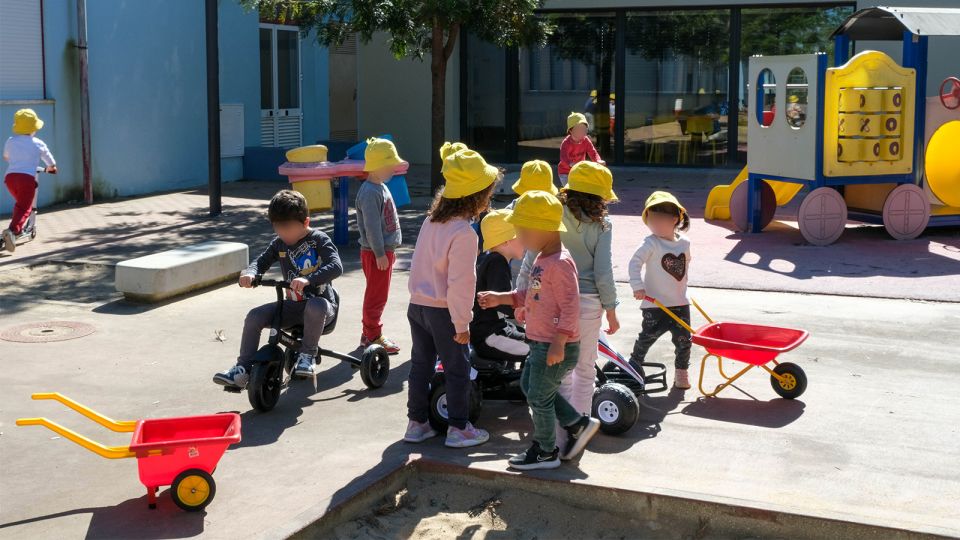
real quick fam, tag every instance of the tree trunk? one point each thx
(439, 55)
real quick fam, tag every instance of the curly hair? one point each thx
(469, 207)
(683, 220)
(585, 207)
(288, 205)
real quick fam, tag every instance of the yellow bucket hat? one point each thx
(574, 119)
(592, 178)
(448, 149)
(535, 174)
(466, 173)
(26, 121)
(496, 229)
(538, 210)
(658, 197)
(380, 153)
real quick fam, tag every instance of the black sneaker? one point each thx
(579, 434)
(535, 458)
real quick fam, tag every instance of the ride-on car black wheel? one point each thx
(439, 417)
(616, 407)
(264, 387)
(374, 366)
(795, 382)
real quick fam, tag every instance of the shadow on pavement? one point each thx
(133, 519)
(653, 410)
(775, 413)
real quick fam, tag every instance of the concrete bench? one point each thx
(162, 275)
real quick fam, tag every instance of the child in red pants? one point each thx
(23, 153)
(379, 237)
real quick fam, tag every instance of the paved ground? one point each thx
(875, 437)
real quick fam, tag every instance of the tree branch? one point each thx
(451, 40)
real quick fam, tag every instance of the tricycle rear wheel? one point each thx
(616, 407)
(193, 489)
(374, 366)
(794, 383)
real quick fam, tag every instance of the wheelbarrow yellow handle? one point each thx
(673, 315)
(109, 452)
(122, 426)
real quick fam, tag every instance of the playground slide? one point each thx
(718, 201)
(942, 166)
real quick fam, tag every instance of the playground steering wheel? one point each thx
(952, 96)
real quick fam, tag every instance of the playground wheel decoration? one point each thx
(823, 215)
(906, 212)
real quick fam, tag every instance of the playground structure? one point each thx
(872, 147)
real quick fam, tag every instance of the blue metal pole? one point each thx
(754, 220)
(841, 49)
(341, 209)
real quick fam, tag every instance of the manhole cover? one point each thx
(42, 332)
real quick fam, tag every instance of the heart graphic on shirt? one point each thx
(675, 265)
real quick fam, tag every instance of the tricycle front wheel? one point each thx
(193, 489)
(792, 382)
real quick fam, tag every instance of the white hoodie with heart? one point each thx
(660, 267)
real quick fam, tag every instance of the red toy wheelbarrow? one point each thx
(178, 452)
(752, 344)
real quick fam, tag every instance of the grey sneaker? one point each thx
(466, 437)
(304, 366)
(9, 240)
(235, 376)
(417, 432)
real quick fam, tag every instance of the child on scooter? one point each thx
(307, 258)
(659, 269)
(552, 304)
(442, 284)
(23, 152)
(491, 334)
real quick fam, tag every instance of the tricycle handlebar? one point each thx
(282, 284)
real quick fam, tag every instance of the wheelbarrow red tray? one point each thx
(749, 343)
(169, 433)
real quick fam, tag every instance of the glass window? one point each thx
(777, 31)
(766, 98)
(288, 70)
(485, 129)
(676, 86)
(266, 68)
(572, 73)
(796, 111)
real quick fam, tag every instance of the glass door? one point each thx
(281, 114)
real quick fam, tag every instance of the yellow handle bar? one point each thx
(109, 452)
(122, 426)
(674, 316)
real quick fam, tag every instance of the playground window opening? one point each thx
(797, 89)
(767, 96)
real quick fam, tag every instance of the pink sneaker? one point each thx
(681, 379)
(417, 432)
(468, 436)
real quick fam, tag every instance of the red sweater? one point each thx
(572, 153)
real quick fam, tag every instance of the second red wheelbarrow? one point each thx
(178, 452)
(751, 344)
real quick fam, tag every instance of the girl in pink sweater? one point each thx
(442, 283)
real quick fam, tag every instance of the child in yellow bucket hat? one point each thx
(380, 236)
(588, 238)
(23, 152)
(552, 306)
(659, 270)
(492, 335)
(442, 285)
(576, 146)
(535, 175)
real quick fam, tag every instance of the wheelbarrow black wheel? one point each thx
(374, 366)
(616, 407)
(438, 415)
(193, 489)
(794, 380)
(264, 388)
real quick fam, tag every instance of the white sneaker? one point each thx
(235, 376)
(417, 432)
(466, 437)
(9, 240)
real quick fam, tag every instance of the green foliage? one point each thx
(410, 24)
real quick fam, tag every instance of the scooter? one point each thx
(615, 402)
(29, 231)
(274, 362)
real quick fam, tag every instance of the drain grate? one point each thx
(42, 332)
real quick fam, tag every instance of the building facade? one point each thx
(147, 92)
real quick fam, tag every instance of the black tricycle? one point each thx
(274, 362)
